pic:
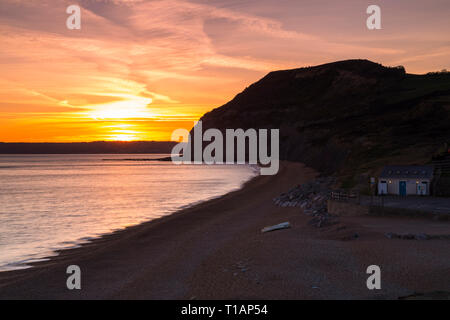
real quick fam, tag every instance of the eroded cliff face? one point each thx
(347, 118)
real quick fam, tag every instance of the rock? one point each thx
(409, 236)
(422, 236)
(434, 295)
(312, 198)
(351, 237)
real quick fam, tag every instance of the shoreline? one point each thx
(215, 250)
(45, 252)
(66, 254)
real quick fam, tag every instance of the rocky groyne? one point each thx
(312, 198)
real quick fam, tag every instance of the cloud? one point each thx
(190, 56)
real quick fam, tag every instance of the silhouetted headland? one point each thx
(119, 147)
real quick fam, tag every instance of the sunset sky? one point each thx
(139, 69)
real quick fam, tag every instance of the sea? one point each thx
(54, 202)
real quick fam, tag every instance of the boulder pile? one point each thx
(312, 198)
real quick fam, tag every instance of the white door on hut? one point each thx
(422, 188)
(382, 187)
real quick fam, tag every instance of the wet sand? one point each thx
(215, 250)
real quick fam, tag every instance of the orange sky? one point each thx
(139, 69)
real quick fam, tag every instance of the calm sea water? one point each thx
(50, 202)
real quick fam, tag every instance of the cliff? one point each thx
(347, 118)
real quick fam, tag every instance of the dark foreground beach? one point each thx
(215, 250)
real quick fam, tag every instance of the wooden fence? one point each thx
(345, 196)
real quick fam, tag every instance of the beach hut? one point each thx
(405, 180)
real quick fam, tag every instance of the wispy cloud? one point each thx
(185, 57)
